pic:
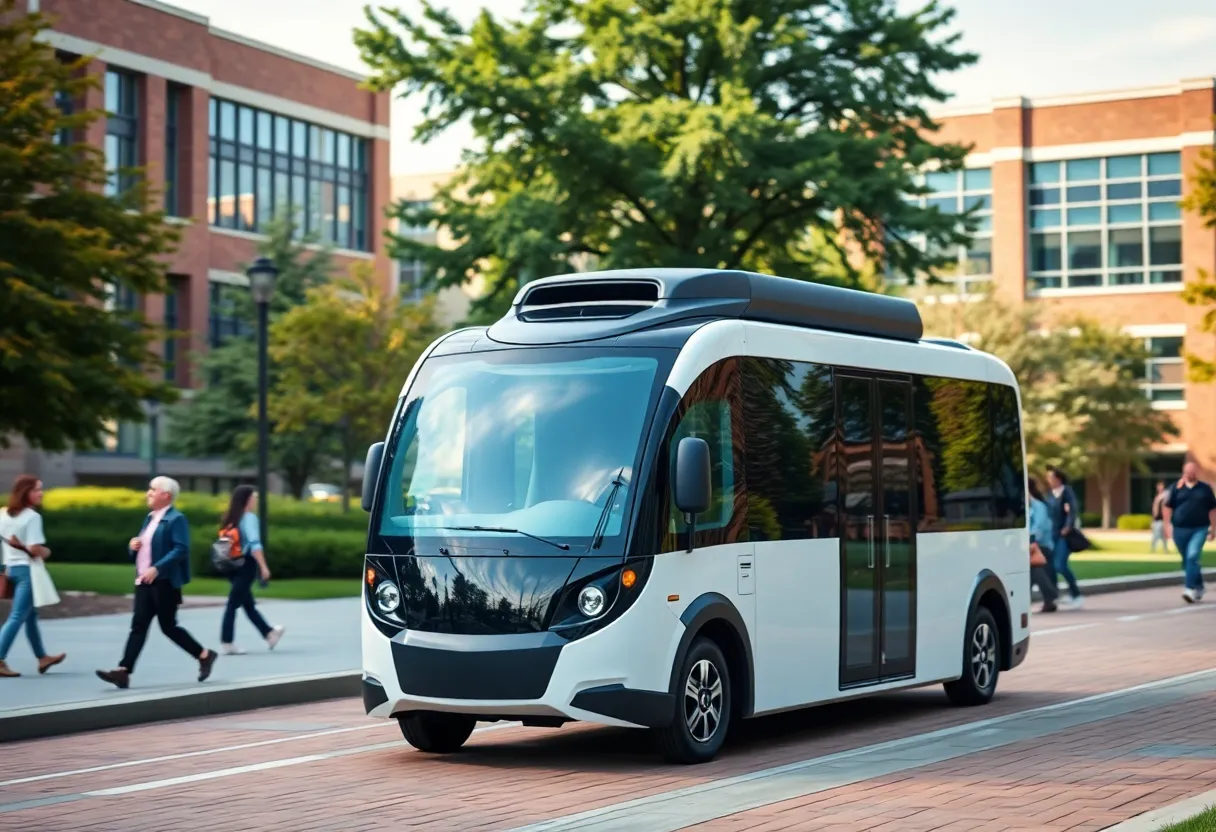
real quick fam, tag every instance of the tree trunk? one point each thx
(1104, 487)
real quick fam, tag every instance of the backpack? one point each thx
(228, 551)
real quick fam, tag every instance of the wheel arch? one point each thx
(989, 591)
(714, 616)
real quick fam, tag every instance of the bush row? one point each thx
(1135, 522)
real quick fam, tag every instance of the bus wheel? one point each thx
(702, 707)
(436, 733)
(981, 661)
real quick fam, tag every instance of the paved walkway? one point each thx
(322, 636)
(1108, 718)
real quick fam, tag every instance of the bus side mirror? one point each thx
(371, 474)
(692, 485)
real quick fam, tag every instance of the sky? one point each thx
(1026, 47)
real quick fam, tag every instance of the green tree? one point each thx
(342, 357)
(1202, 292)
(70, 360)
(715, 133)
(221, 419)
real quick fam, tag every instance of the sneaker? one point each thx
(204, 665)
(231, 650)
(1048, 606)
(1074, 603)
(1188, 595)
(7, 672)
(276, 633)
(1199, 594)
(47, 662)
(119, 677)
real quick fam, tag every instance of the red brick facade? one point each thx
(1012, 134)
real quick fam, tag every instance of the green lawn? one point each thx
(119, 579)
(1116, 558)
(1205, 821)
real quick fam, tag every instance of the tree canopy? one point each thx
(1202, 292)
(79, 360)
(716, 133)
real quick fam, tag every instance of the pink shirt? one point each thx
(143, 558)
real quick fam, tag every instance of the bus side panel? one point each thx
(797, 622)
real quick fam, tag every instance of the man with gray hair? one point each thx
(161, 552)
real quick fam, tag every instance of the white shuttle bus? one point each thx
(675, 499)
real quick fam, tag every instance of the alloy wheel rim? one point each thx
(983, 656)
(703, 701)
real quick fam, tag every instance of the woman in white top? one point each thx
(22, 539)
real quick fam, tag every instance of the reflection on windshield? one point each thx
(531, 446)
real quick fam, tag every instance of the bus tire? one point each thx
(981, 661)
(702, 707)
(436, 733)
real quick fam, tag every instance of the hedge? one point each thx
(307, 540)
(1089, 519)
(1135, 522)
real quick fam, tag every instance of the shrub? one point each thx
(1089, 519)
(1134, 522)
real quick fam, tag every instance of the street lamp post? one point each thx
(151, 408)
(262, 274)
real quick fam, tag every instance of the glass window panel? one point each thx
(282, 194)
(1161, 372)
(1126, 247)
(945, 204)
(1166, 276)
(315, 207)
(282, 135)
(359, 204)
(978, 256)
(265, 130)
(942, 182)
(112, 164)
(1165, 187)
(1084, 193)
(1045, 196)
(1167, 346)
(984, 223)
(1045, 252)
(211, 111)
(1127, 278)
(113, 95)
(1085, 216)
(1084, 281)
(1047, 282)
(360, 154)
(1123, 190)
(1045, 218)
(227, 193)
(1084, 250)
(299, 140)
(265, 197)
(977, 179)
(1124, 213)
(227, 121)
(978, 202)
(344, 216)
(314, 143)
(1165, 245)
(245, 136)
(245, 197)
(328, 217)
(1124, 167)
(343, 150)
(1043, 173)
(1167, 394)
(298, 201)
(1080, 170)
(212, 202)
(1163, 211)
(328, 147)
(1164, 164)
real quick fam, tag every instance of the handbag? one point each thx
(45, 594)
(222, 559)
(6, 587)
(1037, 558)
(1077, 542)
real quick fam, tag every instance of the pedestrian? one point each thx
(24, 546)
(1062, 504)
(1159, 519)
(161, 553)
(1042, 575)
(242, 513)
(1190, 510)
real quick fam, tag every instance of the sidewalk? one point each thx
(320, 648)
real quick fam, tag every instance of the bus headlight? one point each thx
(591, 601)
(388, 597)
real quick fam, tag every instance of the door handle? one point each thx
(870, 524)
(886, 525)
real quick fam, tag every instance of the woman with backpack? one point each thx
(242, 518)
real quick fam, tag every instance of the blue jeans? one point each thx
(24, 612)
(1060, 558)
(1190, 546)
(241, 597)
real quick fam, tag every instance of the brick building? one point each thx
(230, 130)
(1080, 195)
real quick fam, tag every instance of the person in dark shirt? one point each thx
(1064, 508)
(1190, 510)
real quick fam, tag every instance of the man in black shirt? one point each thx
(1190, 509)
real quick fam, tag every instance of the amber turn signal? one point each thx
(371, 576)
(628, 578)
(673, 597)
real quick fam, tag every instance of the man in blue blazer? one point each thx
(161, 553)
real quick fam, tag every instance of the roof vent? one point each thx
(588, 299)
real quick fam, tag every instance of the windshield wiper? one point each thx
(597, 537)
(504, 530)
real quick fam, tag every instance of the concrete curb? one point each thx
(1169, 815)
(1104, 586)
(207, 700)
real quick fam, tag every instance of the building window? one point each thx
(172, 163)
(409, 279)
(223, 320)
(122, 123)
(263, 163)
(1105, 222)
(173, 311)
(955, 193)
(1164, 371)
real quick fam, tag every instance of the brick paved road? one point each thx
(325, 766)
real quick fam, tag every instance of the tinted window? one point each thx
(954, 430)
(789, 420)
(1008, 471)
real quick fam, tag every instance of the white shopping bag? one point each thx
(45, 594)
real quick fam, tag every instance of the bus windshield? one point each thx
(531, 443)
